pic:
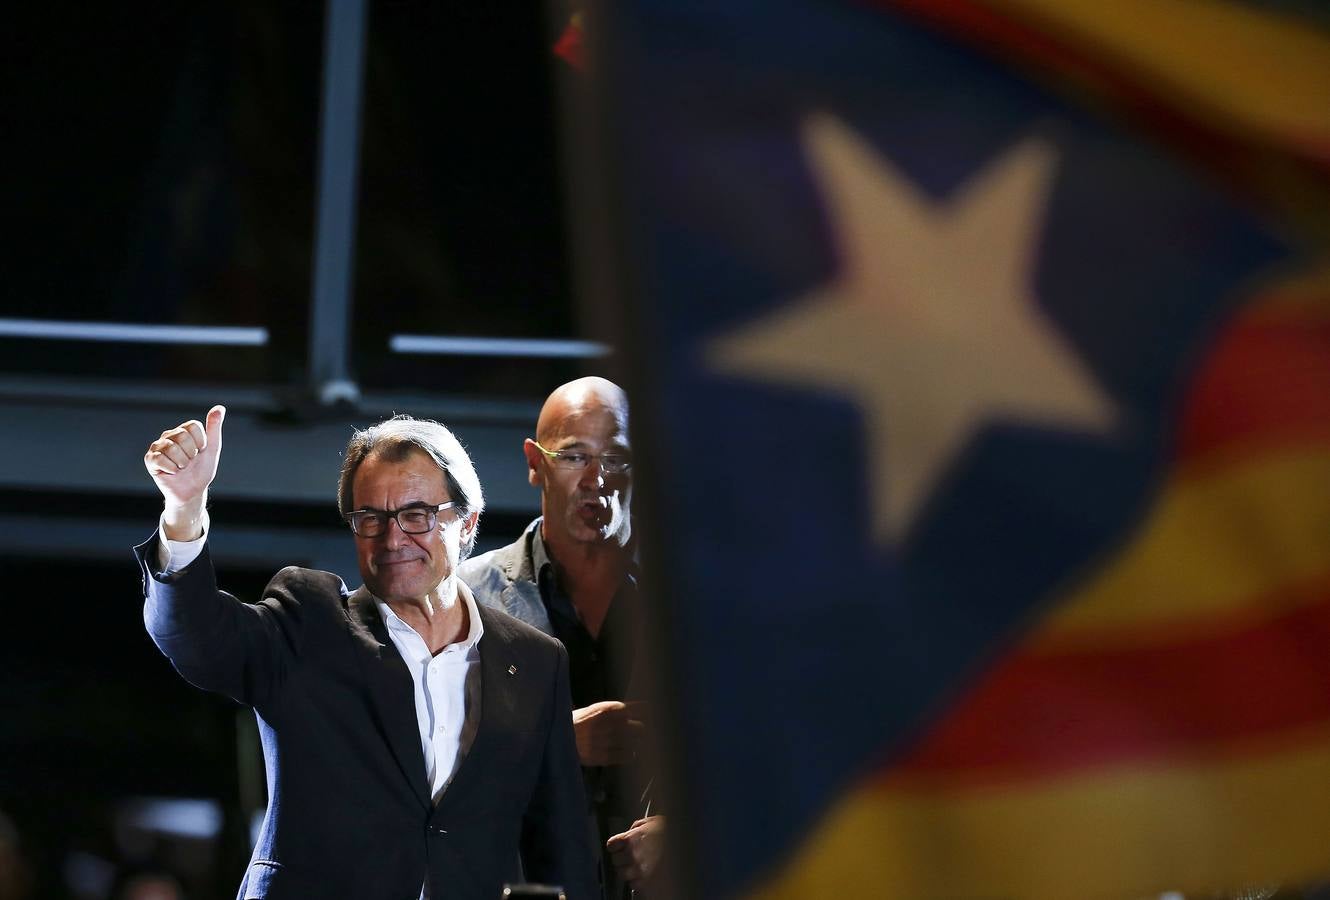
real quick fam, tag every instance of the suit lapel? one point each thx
(511, 569)
(500, 689)
(521, 594)
(391, 689)
(513, 603)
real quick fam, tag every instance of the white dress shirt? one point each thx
(447, 690)
(172, 556)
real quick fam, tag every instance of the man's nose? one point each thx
(393, 535)
(593, 475)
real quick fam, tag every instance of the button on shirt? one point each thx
(447, 690)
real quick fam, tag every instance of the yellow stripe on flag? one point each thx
(1214, 544)
(1120, 834)
(1262, 71)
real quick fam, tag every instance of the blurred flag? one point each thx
(570, 45)
(985, 364)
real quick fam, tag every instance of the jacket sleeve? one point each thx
(556, 842)
(214, 641)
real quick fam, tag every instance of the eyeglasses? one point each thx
(613, 462)
(418, 518)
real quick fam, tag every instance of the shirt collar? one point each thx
(540, 557)
(475, 630)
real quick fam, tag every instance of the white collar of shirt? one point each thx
(398, 630)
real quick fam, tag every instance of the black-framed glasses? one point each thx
(612, 462)
(417, 518)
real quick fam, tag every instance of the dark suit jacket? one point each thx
(349, 812)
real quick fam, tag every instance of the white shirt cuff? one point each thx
(172, 556)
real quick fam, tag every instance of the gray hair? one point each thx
(393, 440)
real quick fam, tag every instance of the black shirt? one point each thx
(601, 667)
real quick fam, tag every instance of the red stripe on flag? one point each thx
(1265, 383)
(977, 22)
(1039, 714)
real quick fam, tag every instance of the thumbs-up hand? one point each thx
(182, 463)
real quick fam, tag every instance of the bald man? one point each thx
(572, 575)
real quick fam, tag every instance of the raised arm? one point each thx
(214, 641)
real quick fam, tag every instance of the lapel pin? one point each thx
(512, 670)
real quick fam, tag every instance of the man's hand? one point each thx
(608, 733)
(636, 853)
(182, 463)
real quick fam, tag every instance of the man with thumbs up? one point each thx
(416, 743)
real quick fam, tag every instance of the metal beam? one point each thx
(521, 348)
(335, 216)
(134, 333)
(96, 447)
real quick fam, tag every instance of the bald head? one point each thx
(583, 504)
(580, 396)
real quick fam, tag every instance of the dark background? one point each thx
(162, 164)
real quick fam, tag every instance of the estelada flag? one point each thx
(983, 408)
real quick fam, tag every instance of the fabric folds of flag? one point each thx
(993, 342)
(1165, 723)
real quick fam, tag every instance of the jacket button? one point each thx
(437, 830)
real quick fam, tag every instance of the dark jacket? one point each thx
(349, 813)
(506, 579)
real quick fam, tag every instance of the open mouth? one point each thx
(592, 509)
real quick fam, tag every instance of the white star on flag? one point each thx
(931, 324)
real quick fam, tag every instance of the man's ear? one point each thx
(468, 526)
(533, 459)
